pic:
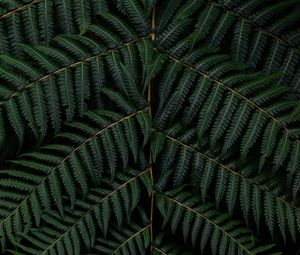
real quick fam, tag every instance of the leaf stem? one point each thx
(160, 251)
(14, 11)
(153, 36)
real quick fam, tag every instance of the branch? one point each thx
(21, 8)
(159, 250)
(153, 37)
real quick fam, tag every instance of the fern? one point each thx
(236, 91)
(66, 170)
(80, 223)
(59, 78)
(213, 225)
(234, 186)
(149, 127)
(241, 18)
(133, 241)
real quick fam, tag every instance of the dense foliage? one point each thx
(149, 127)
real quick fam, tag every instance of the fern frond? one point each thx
(41, 58)
(64, 12)
(215, 226)
(45, 12)
(82, 91)
(14, 117)
(205, 22)
(10, 7)
(70, 165)
(137, 16)
(130, 239)
(256, 94)
(20, 65)
(241, 35)
(56, 54)
(13, 79)
(221, 27)
(246, 22)
(154, 68)
(39, 110)
(124, 29)
(201, 95)
(167, 13)
(171, 34)
(241, 189)
(40, 22)
(99, 6)
(56, 81)
(79, 224)
(185, 83)
(82, 15)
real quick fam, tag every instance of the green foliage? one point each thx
(149, 127)
(226, 235)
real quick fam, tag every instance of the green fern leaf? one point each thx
(201, 95)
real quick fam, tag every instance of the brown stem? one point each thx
(153, 24)
(21, 8)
